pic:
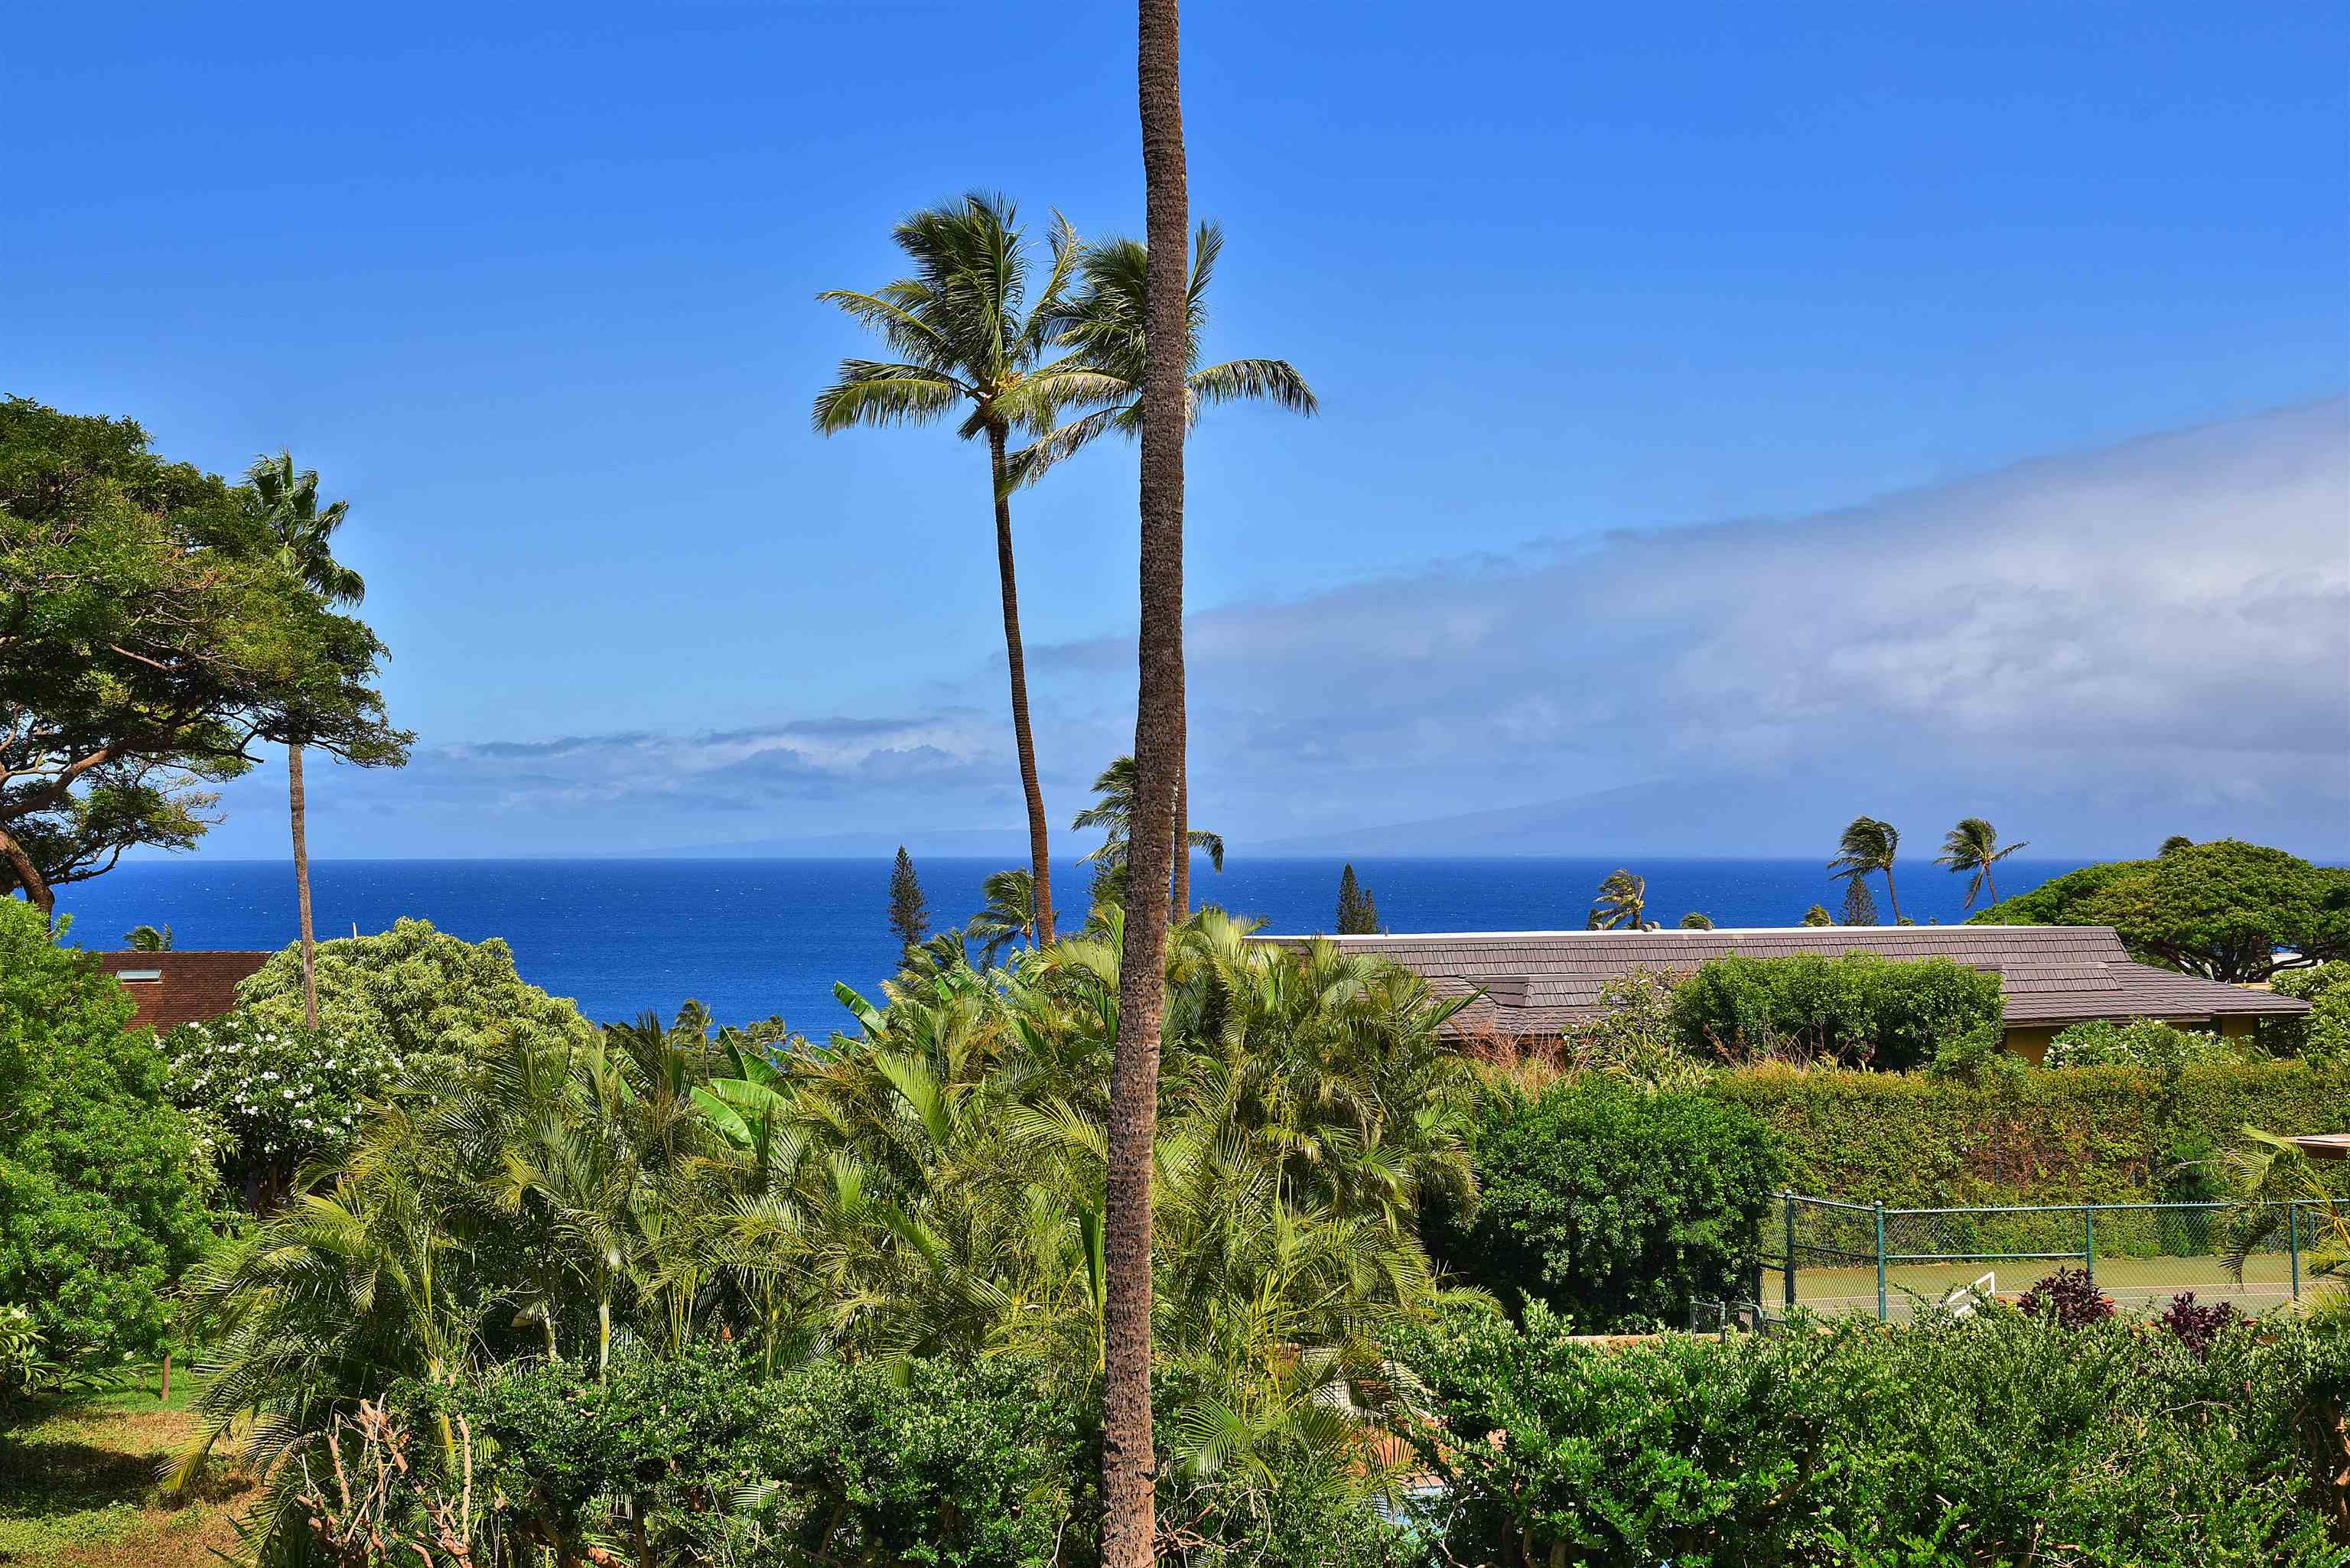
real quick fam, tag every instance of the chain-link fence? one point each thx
(1831, 1256)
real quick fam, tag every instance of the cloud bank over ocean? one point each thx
(2090, 648)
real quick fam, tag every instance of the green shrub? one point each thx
(2322, 1034)
(1855, 1010)
(411, 992)
(1991, 1439)
(100, 1189)
(2142, 1042)
(279, 1095)
(1616, 1207)
(2105, 1134)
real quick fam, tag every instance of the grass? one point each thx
(2131, 1281)
(79, 1489)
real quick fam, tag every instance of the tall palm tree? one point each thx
(305, 532)
(1868, 844)
(971, 341)
(1974, 846)
(1623, 899)
(1106, 327)
(1129, 1524)
(1113, 812)
(1009, 916)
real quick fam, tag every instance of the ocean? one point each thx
(750, 939)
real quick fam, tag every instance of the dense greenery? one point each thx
(411, 992)
(2141, 1042)
(1856, 1009)
(1997, 1438)
(929, 1187)
(100, 1189)
(2104, 1133)
(1616, 1207)
(2324, 1034)
(155, 633)
(277, 1094)
(2221, 909)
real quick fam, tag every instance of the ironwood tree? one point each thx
(151, 633)
(1359, 912)
(910, 915)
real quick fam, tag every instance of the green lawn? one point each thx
(77, 1487)
(2131, 1281)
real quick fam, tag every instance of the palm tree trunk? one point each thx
(1890, 897)
(1989, 885)
(299, 799)
(38, 891)
(1040, 859)
(1129, 1525)
(1178, 906)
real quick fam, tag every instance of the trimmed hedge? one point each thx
(1858, 1008)
(2078, 1134)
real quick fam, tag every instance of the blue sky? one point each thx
(531, 286)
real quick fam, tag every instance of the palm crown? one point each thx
(1868, 844)
(1104, 326)
(1011, 913)
(1113, 813)
(287, 499)
(1622, 900)
(1974, 846)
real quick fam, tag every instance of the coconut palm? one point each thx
(971, 341)
(1974, 846)
(148, 939)
(1113, 812)
(1106, 327)
(1010, 917)
(1623, 899)
(1867, 846)
(305, 532)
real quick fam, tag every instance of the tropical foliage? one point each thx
(1112, 814)
(100, 1187)
(931, 1186)
(1010, 917)
(2324, 1033)
(1973, 847)
(279, 1094)
(2140, 1042)
(1855, 1008)
(158, 632)
(1623, 900)
(1867, 846)
(2226, 910)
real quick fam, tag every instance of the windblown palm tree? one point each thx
(1113, 812)
(1106, 327)
(970, 341)
(1974, 846)
(1868, 846)
(288, 502)
(1623, 899)
(1010, 917)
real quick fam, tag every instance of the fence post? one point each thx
(2089, 1240)
(1787, 1202)
(2292, 1240)
(1880, 1261)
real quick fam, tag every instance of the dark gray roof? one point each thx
(1538, 982)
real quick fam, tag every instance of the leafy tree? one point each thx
(148, 939)
(2324, 1033)
(971, 341)
(287, 501)
(1576, 1210)
(909, 915)
(1867, 846)
(1009, 916)
(1974, 846)
(2175, 843)
(1359, 912)
(2226, 910)
(411, 992)
(152, 634)
(1694, 921)
(1855, 1008)
(100, 1191)
(1623, 899)
(1859, 908)
(1817, 915)
(1106, 327)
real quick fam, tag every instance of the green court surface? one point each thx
(2132, 1282)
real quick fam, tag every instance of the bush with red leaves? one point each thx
(2068, 1295)
(2196, 1324)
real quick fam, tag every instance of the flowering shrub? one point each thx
(2146, 1043)
(281, 1094)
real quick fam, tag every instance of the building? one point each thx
(174, 987)
(1531, 986)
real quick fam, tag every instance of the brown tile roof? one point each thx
(196, 987)
(1538, 982)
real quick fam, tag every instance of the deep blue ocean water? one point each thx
(753, 938)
